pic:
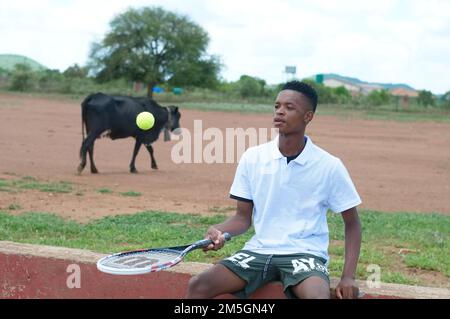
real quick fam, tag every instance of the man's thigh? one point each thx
(304, 276)
(255, 269)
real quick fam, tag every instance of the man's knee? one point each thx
(215, 281)
(315, 293)
(194, 284)
(312, 288)
(198, 287)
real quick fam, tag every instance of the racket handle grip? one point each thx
(227, 236)
(206, 242)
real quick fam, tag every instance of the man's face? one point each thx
(292, 112)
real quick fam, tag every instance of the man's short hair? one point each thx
(307, 90)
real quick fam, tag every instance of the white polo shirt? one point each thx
(291, 200)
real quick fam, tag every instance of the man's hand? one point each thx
(217, 237)
(347, 289)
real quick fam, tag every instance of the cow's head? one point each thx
(173, 122)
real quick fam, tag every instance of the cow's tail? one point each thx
(83, 120)
(167, 126)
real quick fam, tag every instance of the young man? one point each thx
(286, 187)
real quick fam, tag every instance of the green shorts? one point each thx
(258, 270)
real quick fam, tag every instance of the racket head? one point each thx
(140, 261)
(148, 260)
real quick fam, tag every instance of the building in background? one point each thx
(356, 86)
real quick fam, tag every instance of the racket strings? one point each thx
(146, 259)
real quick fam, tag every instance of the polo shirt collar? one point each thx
(304, 156)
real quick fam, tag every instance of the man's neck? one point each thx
(291, 144)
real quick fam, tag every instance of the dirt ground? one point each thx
(395, 166)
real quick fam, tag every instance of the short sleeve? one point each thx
(241, 185)
(342, 192)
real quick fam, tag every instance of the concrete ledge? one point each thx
(36, 271)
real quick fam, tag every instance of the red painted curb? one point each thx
(33, 271)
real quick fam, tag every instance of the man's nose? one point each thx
(280, 111)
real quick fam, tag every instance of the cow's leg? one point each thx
(91, 158)
(137, 146)
(150, 150)
(87, 143)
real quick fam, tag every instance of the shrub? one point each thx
(378, 97)
(22, 78)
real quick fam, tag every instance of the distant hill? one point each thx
(358, 82)
(8, 61)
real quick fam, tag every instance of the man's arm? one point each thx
(347, 286)
(237, 224)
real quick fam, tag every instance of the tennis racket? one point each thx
(149, 260)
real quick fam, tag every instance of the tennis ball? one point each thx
(145, 120)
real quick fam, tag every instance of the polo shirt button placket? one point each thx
(284, 169)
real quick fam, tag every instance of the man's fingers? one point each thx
(346, 293)
(350, 292)
(217, 238)
(214, 246)
(338, 293)
(209, 247)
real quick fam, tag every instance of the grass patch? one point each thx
(14, 206)
(396, 242)
(221, 210)
(104, 191)
(31, 183)
(398, 278)
(4, 185)
(131, 194)
(114, 234)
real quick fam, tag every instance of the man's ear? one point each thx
(309, 116)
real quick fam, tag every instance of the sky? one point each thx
(387, 41)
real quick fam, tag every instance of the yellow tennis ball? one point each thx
(145, 120)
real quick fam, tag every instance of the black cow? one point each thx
(116, 115)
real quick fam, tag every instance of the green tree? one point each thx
(4, 72)
(22, 78)
(152, 46)
(75, 71)
(4, 77)
(325, 94)
(378, 97)
(250, 86)
(342, 94)
(201, 73)
(446, 100)
(425, 98)
(50, 80)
